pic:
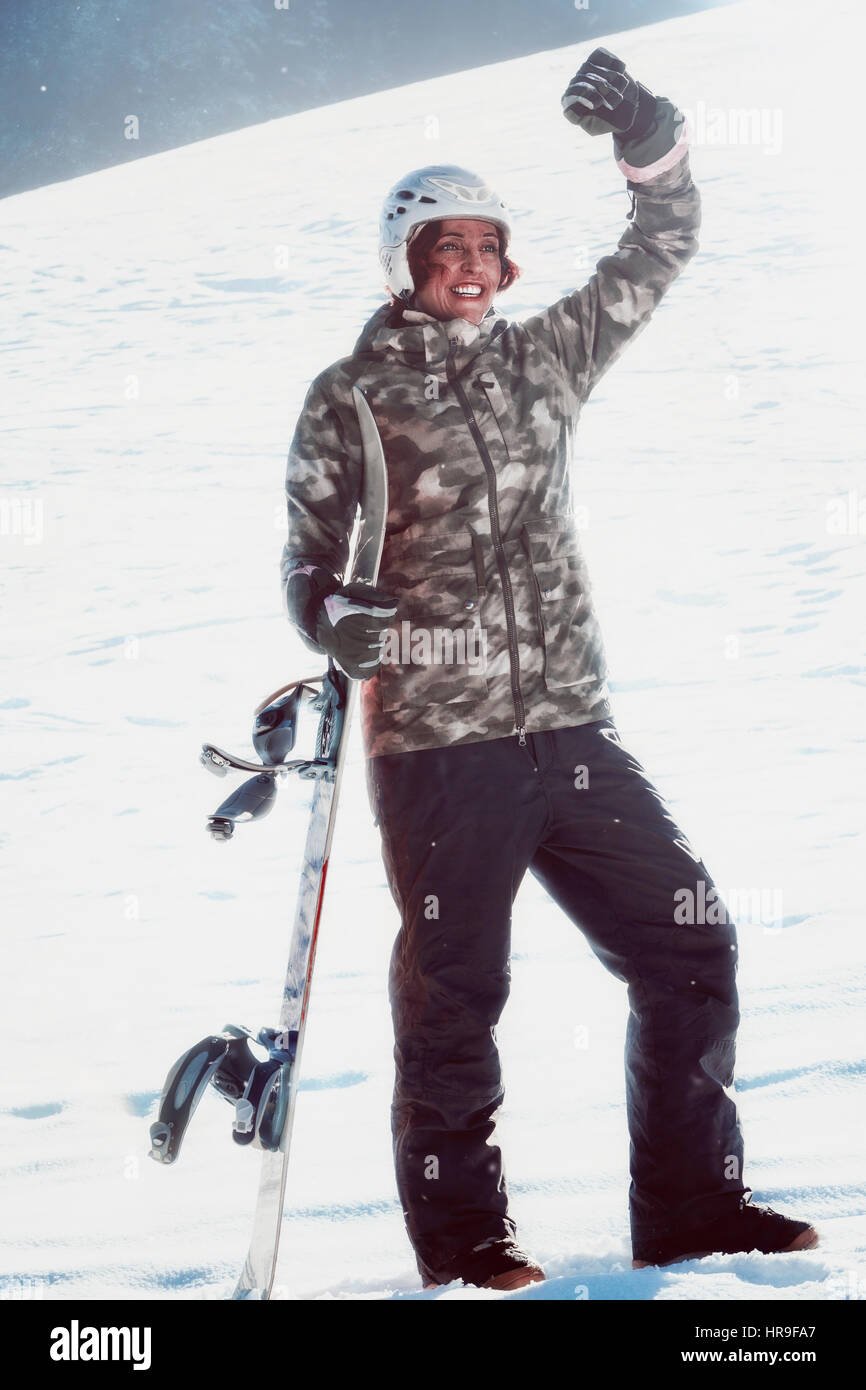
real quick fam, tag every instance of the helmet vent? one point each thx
(405, 193)
(425, 199)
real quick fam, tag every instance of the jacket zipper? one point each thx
(496, 536)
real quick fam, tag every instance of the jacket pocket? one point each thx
(435, 651)
(568, 627)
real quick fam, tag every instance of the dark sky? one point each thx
(72, 73)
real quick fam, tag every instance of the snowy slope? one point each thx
(162, 321)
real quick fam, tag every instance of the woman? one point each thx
(487, 726)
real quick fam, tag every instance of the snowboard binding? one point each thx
(258, 1089)
(275, 729)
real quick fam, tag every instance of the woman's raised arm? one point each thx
(587, 329)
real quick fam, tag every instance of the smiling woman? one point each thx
(448, 256)
(471, 773)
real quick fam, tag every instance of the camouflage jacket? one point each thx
(496, 630)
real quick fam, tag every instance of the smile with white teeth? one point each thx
(468, 291)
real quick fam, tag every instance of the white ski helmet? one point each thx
(426, 195)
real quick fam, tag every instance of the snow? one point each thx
(162, 321)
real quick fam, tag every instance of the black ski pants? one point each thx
(460, 826)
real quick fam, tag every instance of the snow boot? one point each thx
(495, 1264)
(749, 1227)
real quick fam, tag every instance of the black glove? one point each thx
(350, 625)
(602, 98)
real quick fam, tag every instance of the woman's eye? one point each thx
(452, 246)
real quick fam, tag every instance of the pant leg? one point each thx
(459, 826)
(618, 864)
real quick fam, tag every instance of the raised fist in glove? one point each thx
(351, 624)
(603, 99)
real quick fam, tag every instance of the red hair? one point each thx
(423, 242)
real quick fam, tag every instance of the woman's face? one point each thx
(464, 271)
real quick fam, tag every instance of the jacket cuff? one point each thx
(659, 149)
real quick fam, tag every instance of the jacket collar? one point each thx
(422, 341)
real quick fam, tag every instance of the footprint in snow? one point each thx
(340, 1082)
(36, 1112)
